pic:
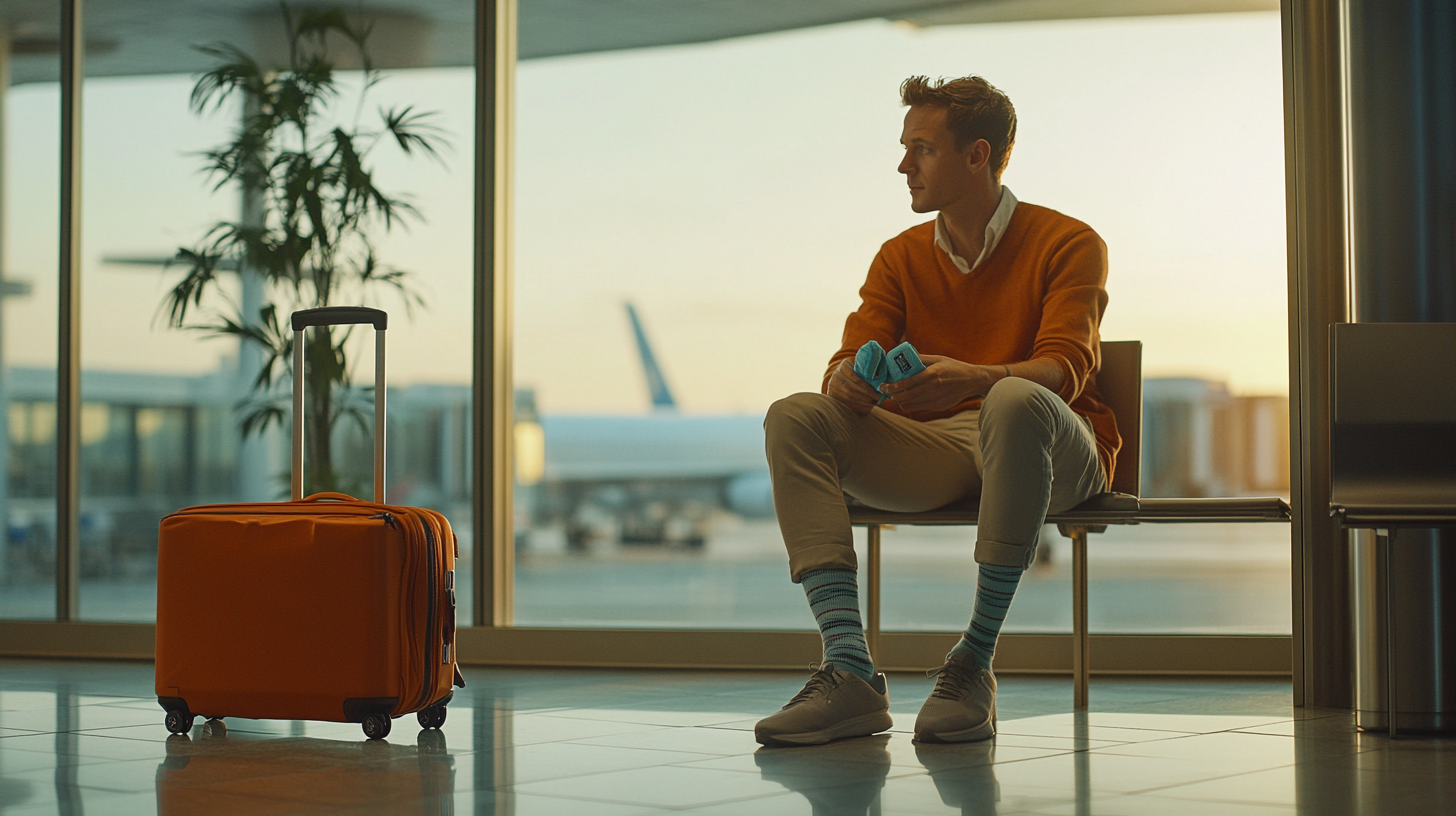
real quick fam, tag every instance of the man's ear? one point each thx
(977, 155)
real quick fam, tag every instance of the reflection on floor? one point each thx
(88, 738)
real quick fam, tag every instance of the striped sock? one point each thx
(994, 589)
(834, 598)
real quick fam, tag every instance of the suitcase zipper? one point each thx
(448, 634)
(430, 615)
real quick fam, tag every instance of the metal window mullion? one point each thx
(1315, 193)
(68, 351)
(492, 388)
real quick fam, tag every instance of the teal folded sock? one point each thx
(876, 367)
(870, 364)
(904, 362)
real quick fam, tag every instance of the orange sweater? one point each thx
(1039, 295)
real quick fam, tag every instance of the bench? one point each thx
(1393, 443)
(1120, 379)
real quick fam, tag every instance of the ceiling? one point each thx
(137, 37)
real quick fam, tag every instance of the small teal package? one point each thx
(904, 362)
(870, 364)
(876, 367)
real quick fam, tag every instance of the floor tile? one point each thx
(137, 776)
(787, 804)
(87, 745)
(618, 743)
(559, 760)
(693, 740)
(973, 791)
(1056, 743)
(1097, 772)
(1276, 786)
(521, 804)
(31, 760)
(529, 729)
(1257, 751)
(650, 716)
(87, 801)
(1156, 806)
(1058, 725)
(666, 786)
(79, 718)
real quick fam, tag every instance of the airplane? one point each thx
(657, 478)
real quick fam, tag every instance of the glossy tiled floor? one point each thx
(87, 738)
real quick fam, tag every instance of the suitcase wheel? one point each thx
(180, 722)
(432, 717)
(376, 726)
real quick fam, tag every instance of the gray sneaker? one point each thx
(833, 705)
(962, 707)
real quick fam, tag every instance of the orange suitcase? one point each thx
(320, 608)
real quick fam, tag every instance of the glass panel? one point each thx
(738, 212)
(29, 240)
(165, 405)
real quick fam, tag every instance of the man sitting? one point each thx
(1003, 300)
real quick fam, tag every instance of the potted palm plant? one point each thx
(311, 217)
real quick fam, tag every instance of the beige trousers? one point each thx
(1024, 452)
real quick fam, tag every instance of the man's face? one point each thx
(939, 175)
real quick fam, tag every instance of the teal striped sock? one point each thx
(834, 598)
(994, 589)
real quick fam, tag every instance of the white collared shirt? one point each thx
(995, 228)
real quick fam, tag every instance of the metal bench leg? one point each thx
(872, 612)
(1080, 669)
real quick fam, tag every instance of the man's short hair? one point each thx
(976, 110)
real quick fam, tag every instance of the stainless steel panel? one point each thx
(1425, 628)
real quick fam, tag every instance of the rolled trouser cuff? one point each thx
(997, 554)
(821, 557)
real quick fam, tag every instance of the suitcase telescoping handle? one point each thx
(337, 316)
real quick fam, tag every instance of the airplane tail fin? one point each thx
(656, 383)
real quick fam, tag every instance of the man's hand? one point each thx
(944, 384)
(850, 389)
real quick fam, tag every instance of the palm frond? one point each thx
(308, 170)
(414, 130)
(235, 72)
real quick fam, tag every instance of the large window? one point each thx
(691, 225)
(29, 238)
(719, 204)
(163, 407)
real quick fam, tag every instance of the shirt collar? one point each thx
(995, 228)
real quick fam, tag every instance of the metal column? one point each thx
(492, 388)
(68, 351)
(1318, 296)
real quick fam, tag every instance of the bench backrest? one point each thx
(1121, 382)
(1394, 402)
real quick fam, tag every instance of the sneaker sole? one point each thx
(984, 731)
(861, 726)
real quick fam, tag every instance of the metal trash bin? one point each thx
(1425, 629)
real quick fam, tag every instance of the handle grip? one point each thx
(333, 316)
(338, 316)
(326, 496)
